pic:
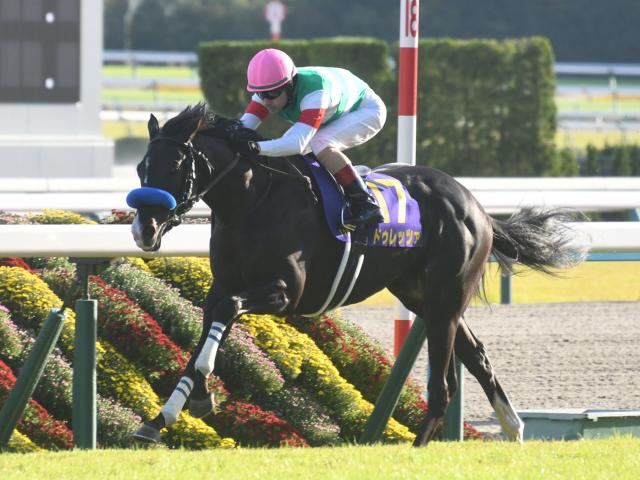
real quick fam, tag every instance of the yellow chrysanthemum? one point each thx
(295, 352)
(49, 216)
(191, 275)
(138, 263)
(20, 443)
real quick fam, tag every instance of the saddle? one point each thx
(401, 226)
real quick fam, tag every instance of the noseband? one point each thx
(147, 196)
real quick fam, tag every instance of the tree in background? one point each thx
(579, 30)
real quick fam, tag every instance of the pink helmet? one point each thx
(269, 69)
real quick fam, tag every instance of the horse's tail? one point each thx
(537, 238)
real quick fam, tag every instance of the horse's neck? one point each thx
(238, 191)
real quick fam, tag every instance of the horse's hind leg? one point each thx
(472, 353)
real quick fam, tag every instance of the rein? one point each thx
(297, 176)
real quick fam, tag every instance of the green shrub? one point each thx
(484, 107)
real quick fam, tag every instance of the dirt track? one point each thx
(579, 355)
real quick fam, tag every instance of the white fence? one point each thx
(497, 195)
(108, 241)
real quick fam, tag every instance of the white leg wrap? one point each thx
(207, 356)
(174, 405)
(509, 420)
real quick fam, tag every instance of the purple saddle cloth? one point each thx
(401, 226)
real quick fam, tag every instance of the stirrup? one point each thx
(350, 226)
(344, 226)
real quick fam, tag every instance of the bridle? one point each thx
(188, 197)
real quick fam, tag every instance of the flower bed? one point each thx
(179, 318)
(300, 360)
(30, 300)
(248, 423)
(141, 339)
(138, 337)
(36, 422)
(190, 275)
(61, 217)
(363, 362)
(115, 423)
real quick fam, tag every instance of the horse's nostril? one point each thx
(148, 231)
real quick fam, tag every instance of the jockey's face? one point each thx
(276, 104)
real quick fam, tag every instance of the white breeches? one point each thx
(353, 128)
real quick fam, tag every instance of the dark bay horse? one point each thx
(271, 253)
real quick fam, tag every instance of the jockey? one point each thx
(331, 110)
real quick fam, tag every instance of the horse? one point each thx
(272, 253)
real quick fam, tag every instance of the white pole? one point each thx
(407, 108)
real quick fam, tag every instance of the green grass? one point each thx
(149, 72)
(589, 282)
(599, 104)
(579, 140)
(617, 458)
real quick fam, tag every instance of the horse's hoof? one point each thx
(203, 407)
(147, 433)
(428, 431)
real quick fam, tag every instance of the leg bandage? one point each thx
(174, 405)
(207, 356)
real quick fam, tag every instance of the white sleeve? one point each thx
(250, 120)
(255, 113)
(294, 141)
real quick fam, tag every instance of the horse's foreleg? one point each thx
(270, 298)
(191, 381)
(472, 353)
(220, 312)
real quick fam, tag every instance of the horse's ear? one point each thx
(153, 126)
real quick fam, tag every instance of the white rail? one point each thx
(110, 241)
(497, 195)
(121, 184)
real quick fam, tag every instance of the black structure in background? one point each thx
(39, 51)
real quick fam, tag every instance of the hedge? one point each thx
(484, 107)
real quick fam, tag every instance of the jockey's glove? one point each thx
(247, 148)
(244, 140)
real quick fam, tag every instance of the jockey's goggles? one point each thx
(271, 94)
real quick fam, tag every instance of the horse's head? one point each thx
(171, 176)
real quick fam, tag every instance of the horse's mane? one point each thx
(188, 119)
(208, 123)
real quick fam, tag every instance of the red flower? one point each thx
(248, 424)
(36, 422)
(15, 262)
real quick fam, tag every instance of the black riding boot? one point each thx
(364, 210)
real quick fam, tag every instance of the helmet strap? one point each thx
(289, 88)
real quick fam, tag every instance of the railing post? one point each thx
(29, 375)
(84, 375)
(390, 393)
(84, 411)
(505, 288)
